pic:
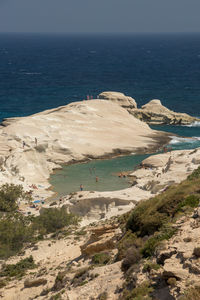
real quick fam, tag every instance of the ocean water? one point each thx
(39, 72)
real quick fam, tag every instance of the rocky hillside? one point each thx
(151, 252)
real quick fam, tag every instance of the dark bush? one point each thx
(196, 251)
(60, 281)
(128, 240)
(80, 278)
(171, 281)
(132, 257)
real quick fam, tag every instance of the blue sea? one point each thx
(39, 71)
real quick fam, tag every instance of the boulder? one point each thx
(102, 238)
(28, 283)
(155, 113)
(119, 98)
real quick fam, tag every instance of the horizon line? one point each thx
(99, 33)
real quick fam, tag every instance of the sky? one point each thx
(99, 16)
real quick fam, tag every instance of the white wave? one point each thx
(194, 124)
(180, 140)
(33, 73)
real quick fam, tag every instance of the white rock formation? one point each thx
(69, 133)
(119, 98)
(155, 113)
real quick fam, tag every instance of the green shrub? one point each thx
(151, 244)
(14, 232)
(81, 232)
(171, 281)
(9, 195)
(103, 296)
(142, 292)
(19, 269)
(195, 174)
(56, 297)
(150, 215)
(150, 266)
(53, 219)
(101, 258)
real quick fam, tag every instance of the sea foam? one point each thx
(194, 124)
(181, 140)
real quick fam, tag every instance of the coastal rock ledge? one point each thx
(32, 147)
(152, 113)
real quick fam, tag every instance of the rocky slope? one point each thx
(100, 261)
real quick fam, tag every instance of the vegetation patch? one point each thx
(192, 294)
(152, 218)
(141, 292)
(132, 257)
(150, 266)
(103, 296)
(19, 269)
(102, 258)
(148, 225)
(60, 281)
(53, 219)
(15, 230)
(151, 244)
(9, 195)
(128, 240)
(81, 232)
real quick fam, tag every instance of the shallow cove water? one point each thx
(70, 178)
